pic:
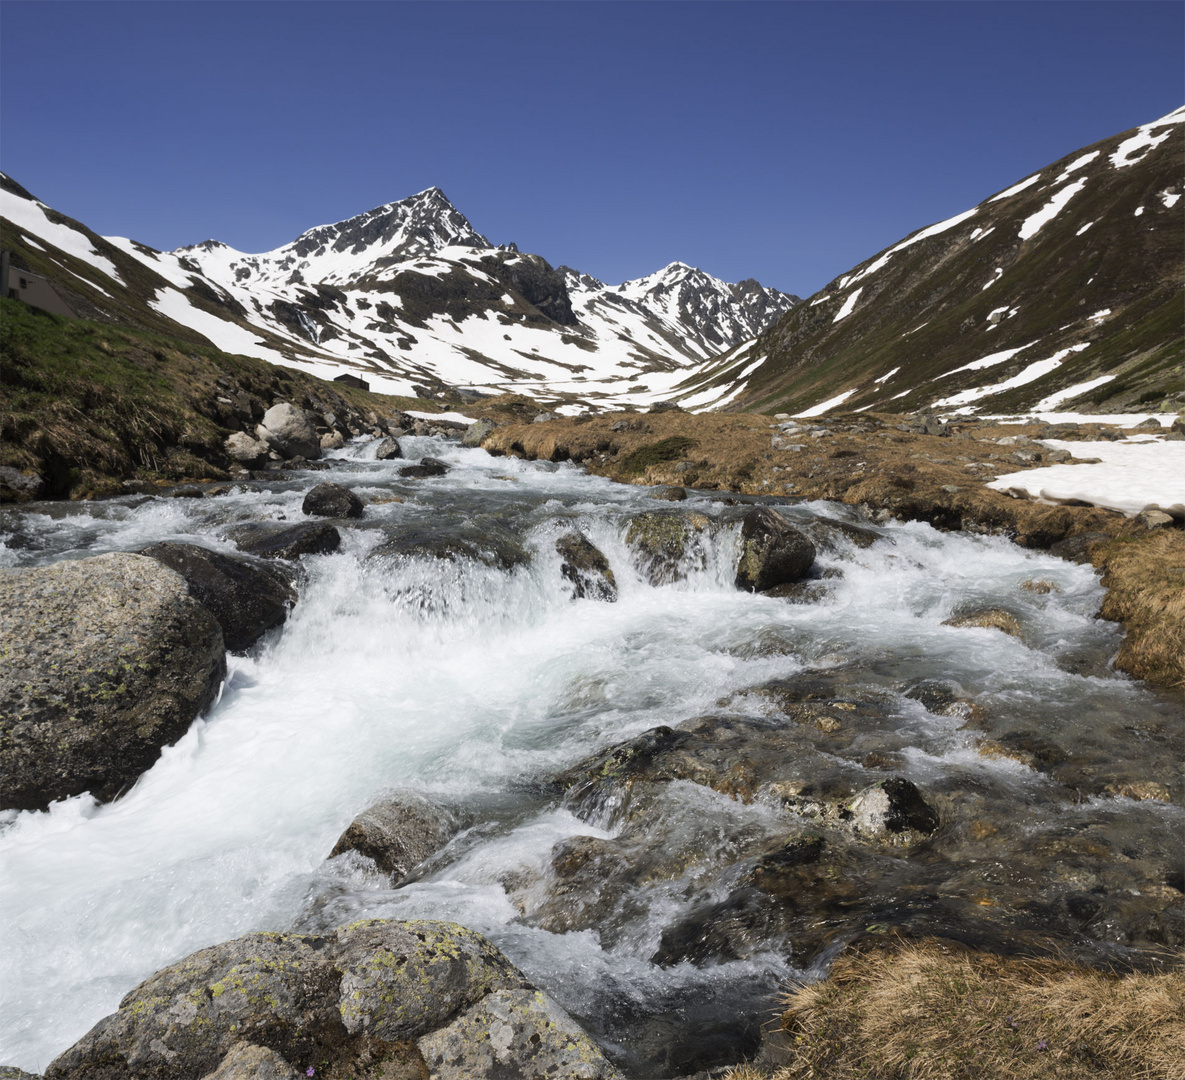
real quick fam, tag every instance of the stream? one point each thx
(478, 686)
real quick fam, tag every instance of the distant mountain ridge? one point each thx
(1064, 291)
(410, 297)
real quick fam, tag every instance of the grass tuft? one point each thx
(930, 1011)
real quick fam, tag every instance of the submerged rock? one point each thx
(586, 567)
(351, 1003)
(669, 493)
(106, 660)
(773, 552)
(986, 619)
(287, 542)
(487, 543)
(332, 500)
(246, 598)
(398, 833)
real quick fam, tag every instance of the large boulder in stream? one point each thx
(106, 660)
(398, 832)
(333, 501)
(586, 568)
(248, 599)
(773, 552)
(376, 1000)
(290, 432)
(388, 449)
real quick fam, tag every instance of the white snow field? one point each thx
(1140, 473)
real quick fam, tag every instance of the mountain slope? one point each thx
(408, 296)
(1064, 290)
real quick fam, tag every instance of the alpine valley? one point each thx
(409, 297)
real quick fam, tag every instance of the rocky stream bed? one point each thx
(662, 751)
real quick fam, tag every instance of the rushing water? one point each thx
(477, 685)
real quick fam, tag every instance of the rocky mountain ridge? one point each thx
(1063, 291)
(408, 296)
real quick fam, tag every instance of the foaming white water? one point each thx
(474, 684)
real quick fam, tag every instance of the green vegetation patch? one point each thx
(655, 454)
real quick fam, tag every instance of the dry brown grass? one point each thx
(929, 1011)
(1145, 578)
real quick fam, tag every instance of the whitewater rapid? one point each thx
(476, 685)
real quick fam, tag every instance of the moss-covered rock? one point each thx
(664, 544)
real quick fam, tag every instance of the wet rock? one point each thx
(246, 450)
(1035, 751)
(1141, 790)
(428, 466)
(1039, 586)
(799, 592)
(522, 1034)
(388, 449)
(664, 544)
(398, 833)
(488, 543)
(403, 980)
(246, 598)
(893, 809)
(332, 440)
(773, 552)
(17, 486)
(1077, 549)
(246, 1061)
(106, 660)
(290, 432)
(987, 619)
(332, 500)
(722, 931)
(860, 535)
(669, 493)
(475, 432)
(944, 698)
(291, 542)
(586, 567)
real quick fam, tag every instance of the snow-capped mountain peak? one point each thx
(346, 251)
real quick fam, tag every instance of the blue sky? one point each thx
(782, 141)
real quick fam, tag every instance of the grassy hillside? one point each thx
(1097, 282)
(87, 405)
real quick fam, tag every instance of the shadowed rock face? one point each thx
(353, 1003)
(308, 538)
(246, 598)
(332, 500)
(586, 567)
(107, 659)
(773, 552)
